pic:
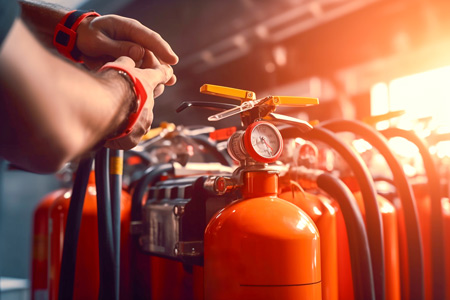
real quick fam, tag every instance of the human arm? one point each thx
(52, 112)
(100, 39)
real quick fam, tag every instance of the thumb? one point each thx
(123, 48)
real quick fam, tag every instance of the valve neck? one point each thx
(259, 184)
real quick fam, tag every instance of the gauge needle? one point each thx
(267, 145)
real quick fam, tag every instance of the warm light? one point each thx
(386, 207)
(423, 95)
(420, 95)
(379, 103)
(305, 222)
(280, 55)
(445, 206)
(443, 149)
(379, 95)
(403, 147)
(317, 211)
(361, 145)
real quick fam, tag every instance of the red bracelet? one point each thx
(141, 98)
(65, 35)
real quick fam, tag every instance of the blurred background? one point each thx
(359, 57)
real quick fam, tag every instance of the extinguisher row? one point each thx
(290, 212)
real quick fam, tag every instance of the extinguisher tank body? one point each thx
(324, 216)
(261, 247)
(86, 284)
(39, 262)
(391, 244)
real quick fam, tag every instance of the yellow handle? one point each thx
(157, 131)
(294, 101)
(244, 95)
(372, 120)
(227, 92)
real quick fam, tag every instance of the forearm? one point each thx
(60, 112)
(42, 18)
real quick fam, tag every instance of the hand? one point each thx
(102, 39)
(153, 80)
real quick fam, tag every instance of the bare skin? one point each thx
(52, 111)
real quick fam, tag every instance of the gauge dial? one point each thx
(263, 142)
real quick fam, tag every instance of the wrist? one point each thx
(135, 99)
(65, 35)
(124, 100)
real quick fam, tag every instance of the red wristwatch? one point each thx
(65, 35)
(141, 98)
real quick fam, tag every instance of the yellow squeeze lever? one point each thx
(294, 101)
(373, 120)
(227, 92)
(244, 96)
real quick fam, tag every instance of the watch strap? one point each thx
(141, 98)
(65, 35)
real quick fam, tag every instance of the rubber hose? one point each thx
(361, 263)
(115, 177)
(69, 255)
(141, 155)
(373, 217)
(107, 266)
(413, 236)
(210, 147)
(150, 177)
(437, 226)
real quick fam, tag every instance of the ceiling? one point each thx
(271, 46)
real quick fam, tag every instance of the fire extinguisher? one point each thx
(260, 246)
(39, 261)
(252, 244)
(298, 152)
(154, 276)
(410, 242)
(40, 241)
(168, 230)
(389, 230)
(355, 282)
(432, 218)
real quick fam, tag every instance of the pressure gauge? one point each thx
(261, 141)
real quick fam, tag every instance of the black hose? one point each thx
(150, 177)
(374, 223)
(140, 154)
(115, 177)
(413, 237)
(363, 285)
(69, 255)
(437, 224)
(107, 265)
(211, 148)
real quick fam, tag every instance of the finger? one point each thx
(124, 60)
(167, 73)
(116, 49)
(134, 31)
(149, 60)
(172, 80)
(160, 75)
(158, 90)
